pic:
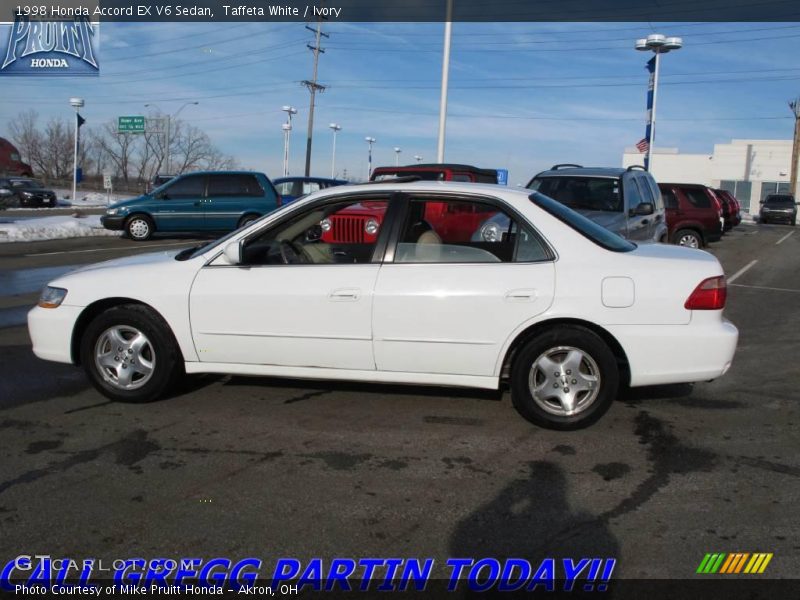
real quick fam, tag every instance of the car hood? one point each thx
(35, 190)
(150, 258)
(130, 201)
(614, 221)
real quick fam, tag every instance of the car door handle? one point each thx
(521, 296)
(197, 203)
(345, 295)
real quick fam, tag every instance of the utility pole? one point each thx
(795, 106)
(313, 87)
(448, 30)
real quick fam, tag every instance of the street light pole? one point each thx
(658, 44)
(77, 104)
(370, 141)
(417, 158)
(287, 130)
(168, 133)
(448, 31)
(794, 105)
(336, 129)
(397, 152)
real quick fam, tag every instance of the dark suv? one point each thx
(778, 207)
(694, 214)
(25, 192)
(625, 201)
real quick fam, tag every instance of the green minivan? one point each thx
(215, 201)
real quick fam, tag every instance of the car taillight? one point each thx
(279, 200)
(710, 294)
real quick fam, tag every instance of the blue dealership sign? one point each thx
(502, 176)
(66, 47)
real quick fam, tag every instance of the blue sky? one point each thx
(523, 95)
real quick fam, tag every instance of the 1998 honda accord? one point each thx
(564, 309)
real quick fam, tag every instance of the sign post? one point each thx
(109, 186)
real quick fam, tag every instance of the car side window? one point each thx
(310, 187)
(645, 191)
(633, 194)
(656, 193)
(284, 188)
(457, 231)
(342, 233)
(697, 198)
(191, 186)
(227, 185)
(670, 200)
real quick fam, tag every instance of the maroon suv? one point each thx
(731, 210)
(694, 214)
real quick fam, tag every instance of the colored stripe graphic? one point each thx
(735, 562)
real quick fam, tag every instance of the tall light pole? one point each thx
(168, 133)
(287, 130)
(336, 129)
(77, 104)
(657, 44)
(397, 152)
(448, 31)
(370, 141)
(418, 158)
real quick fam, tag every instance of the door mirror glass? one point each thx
(233, 253)
(644, 208)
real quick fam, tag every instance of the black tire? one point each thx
(161, 351)
(247, 219)
(553, 342)
(764, 220)
(139, 227)
(794, 221)
(682, 237)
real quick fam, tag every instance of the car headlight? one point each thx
(490, 232)
(52, 297)
(26, 194)
(326, 224)
(112, 211)
(371, 227)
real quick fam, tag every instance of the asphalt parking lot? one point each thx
(239, 467)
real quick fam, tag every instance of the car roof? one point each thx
(302, 178)
(240, 172)
(586, 172)
(452, 187)
(439, 167)
(685, 185)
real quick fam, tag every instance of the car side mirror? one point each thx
(314, 233)
(233, 252)
(644, 208)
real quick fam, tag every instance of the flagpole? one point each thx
(652, 141)
(76, 103)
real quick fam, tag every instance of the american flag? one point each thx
(642, 145)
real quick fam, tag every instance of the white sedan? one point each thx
(387, 283)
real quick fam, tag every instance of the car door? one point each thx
(180, 205)
(295, 300)
(445, 305)
(230, 196)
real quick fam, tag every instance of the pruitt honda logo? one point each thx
(51, 48)
(735, 563)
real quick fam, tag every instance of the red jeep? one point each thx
(457, 222)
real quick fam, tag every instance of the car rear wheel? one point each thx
(246, 220)
(565, 378)
(688, 238)
(130, 355)
(139, 228)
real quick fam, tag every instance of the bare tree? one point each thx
(28, 139)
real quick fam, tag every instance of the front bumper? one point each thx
(771, 215)
(699, 351)
(113, 222)
(51, 331)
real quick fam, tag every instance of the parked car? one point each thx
(25, 192)
(693, 214)
(292, 188)
(778, 207)
(561, 308)
(625, 201)
(11, 162)
(733, 214)
(202, 201)
(437, 172)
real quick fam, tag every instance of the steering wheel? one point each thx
(291, 253)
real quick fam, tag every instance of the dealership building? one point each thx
(750, 169)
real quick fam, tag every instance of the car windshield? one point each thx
(581, 193)
(586, 227)
(27, 183)
(782, 199)
(423, 175)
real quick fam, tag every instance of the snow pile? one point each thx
(53, 228)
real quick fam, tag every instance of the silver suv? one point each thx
(625, 201)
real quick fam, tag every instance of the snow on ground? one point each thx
(53, 228)
(85, 200)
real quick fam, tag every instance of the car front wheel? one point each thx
(565, 378)
(688, 238)
(130, 355)
(139, 228)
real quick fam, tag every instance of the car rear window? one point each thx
(581, 193)
(586, 227)
(785, 199)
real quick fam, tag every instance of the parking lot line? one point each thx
(741, 271)
(784, 237)
(110, 249)
(764, 287)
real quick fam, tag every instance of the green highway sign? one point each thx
(130, 125)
